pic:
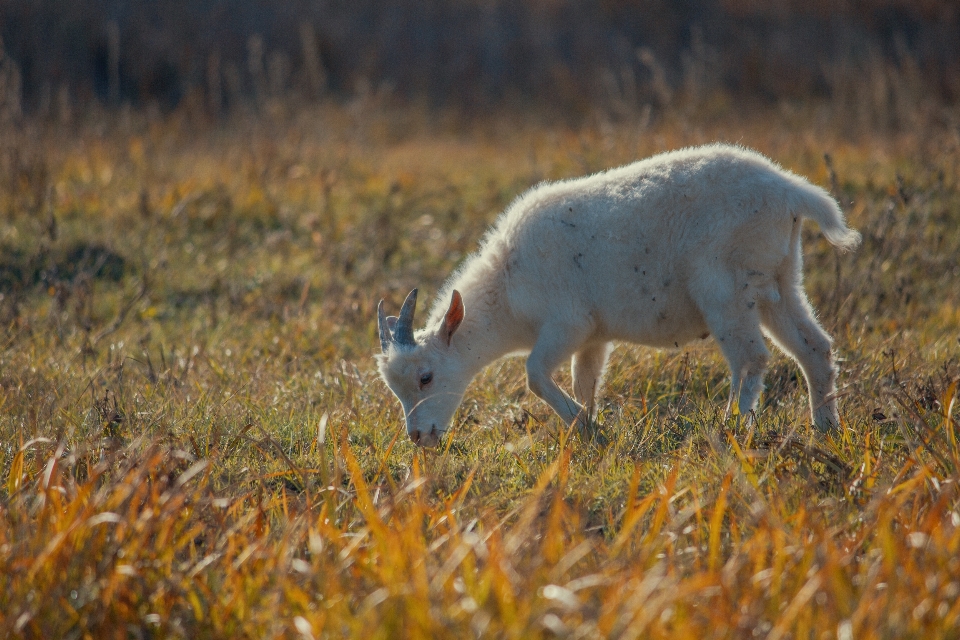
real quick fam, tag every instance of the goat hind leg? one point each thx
(748, 366)
(792, 325)
(737, 331)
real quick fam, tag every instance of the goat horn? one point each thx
(385, 336)
(403, 334)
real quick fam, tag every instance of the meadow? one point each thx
(194, 441)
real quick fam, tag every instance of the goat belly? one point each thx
(654, 317)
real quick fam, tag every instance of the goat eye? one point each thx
(425, 379)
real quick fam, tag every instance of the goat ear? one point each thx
(453, 317)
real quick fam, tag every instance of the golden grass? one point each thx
(195, 443)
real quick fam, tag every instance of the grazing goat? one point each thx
(692, 243)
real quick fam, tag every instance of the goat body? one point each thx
(677, 247)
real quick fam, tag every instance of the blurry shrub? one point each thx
(476, 53)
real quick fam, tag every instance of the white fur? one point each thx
(697, 242)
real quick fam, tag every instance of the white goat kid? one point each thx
(677, 247)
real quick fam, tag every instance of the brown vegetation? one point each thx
(194, 443)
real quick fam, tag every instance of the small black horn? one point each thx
(385, 337)
(403, 334)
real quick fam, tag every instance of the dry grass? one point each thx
(195, 444)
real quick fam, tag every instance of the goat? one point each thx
(680, 246)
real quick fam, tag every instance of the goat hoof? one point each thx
(592, 432)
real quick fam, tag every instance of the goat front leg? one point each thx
(586, 368)
(553, 346)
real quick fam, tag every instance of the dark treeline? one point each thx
(473, 53)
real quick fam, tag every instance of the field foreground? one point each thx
(194, 442)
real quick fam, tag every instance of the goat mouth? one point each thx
(426, 439)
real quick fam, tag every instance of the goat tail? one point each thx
(820, 206)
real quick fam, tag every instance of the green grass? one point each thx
(195, 442)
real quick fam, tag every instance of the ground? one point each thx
(194, 441)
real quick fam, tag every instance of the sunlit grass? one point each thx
(195, 442)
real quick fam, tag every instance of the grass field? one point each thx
(194, 441)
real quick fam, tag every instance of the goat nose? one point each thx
(415, 436)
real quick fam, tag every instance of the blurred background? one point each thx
(564, 56)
